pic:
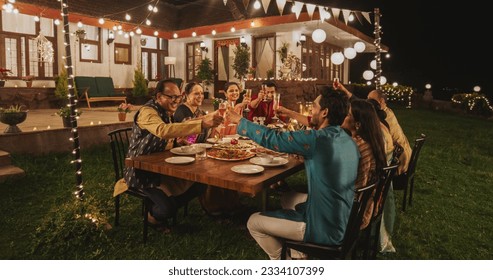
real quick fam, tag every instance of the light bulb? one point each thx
(257, 5)
(319, 35)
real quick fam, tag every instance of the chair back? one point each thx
(362, 197)
(418, 144)
(119, 140)
(383, 187)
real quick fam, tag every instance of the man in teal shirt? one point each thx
(331, 163)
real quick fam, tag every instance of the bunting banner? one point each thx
(298, 6)
(345, 15)
(336, 12)
(310, 8)
(246, 3)
(324, 14)
(280, 5)
(265, 3)
(366, 15)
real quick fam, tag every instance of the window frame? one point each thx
(325, 70)
(128, 47)
(195, 63)
(93, 43)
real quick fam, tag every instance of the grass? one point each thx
(450, 217)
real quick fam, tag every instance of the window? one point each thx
(315, 59)
(264, 58)
(153, 58)
(18, 49)
(90, 46)
(194, 58)
(123, 54)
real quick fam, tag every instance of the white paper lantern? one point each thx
(427, 86)
(383, 80)
(359, 47)
(373, 64)
(337, 58)
(319, 35)
(476, 88)
(368, 75)
(349, 53)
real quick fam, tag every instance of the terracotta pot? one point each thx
(122, 116)
(66, 122)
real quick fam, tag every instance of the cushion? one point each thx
(105, 86)
(82, 82)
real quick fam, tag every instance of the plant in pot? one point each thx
(140, 90)
(124, 109)
(61, 89)
(80, 33)
(64, 113)
(206, 74)
(241, 61)
(4, 73)
(270, 74)
(13, 116)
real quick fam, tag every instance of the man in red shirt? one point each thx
(262, 104)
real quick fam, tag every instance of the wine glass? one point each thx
(222, 110)
(231, 104)
(275, 105)
(264, 89)
(248, 94)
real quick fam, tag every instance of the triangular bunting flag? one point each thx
(366, 15)
(280, 5)
(246, 3)
(345, 15)
(310, 8)
(358, 16)
(298, 6)
(265, 3)
(336, 12)
(225, 2)
(324, 14)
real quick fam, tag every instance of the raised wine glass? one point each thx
(248, 94)
(275, 106)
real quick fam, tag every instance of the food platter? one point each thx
(261, 150)
(229, 155)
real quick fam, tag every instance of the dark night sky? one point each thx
(438, 43)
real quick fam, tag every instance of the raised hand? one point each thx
(232, 117)
(213, 119)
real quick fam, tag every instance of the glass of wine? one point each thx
(248, 94)
(222, 110)
(275, 105)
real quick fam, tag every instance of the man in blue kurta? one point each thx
(331, 163)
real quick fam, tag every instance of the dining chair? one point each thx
(405, 181)
(351, 235)
(119, 140)
(371, 234)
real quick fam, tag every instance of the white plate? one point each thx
(184, 152)
(179, 160)
(277, 161)
(247, 169)
(220, 141)
(207, 145)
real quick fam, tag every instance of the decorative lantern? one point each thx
(368, 75)
(349, 53)
(373, 64)
(337, 58)
(359, 47)
(319, 35)
(383, 80)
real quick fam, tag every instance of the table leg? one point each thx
(264, 200)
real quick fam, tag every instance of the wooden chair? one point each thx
(351, 236)
(405, 181)
(119, 140)
(371, 234)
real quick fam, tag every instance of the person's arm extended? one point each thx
(341, 87)
(301, 119)
(255, 102)
(149, 119)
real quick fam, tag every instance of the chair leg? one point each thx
(117, 210)
(404, 199)
(411, 189)
(284, 251)
(146, 219)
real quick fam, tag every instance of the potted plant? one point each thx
(13, 116)
(64, 113)
(80, 33)
(270, 74)
(4, 73)
(140, 90)
(123, 109)
(241, 61)
(251, 73)
(29, 80)
(206, 74)
(283, 51)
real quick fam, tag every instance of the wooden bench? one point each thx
(96, 89)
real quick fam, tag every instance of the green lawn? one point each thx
(450, 217)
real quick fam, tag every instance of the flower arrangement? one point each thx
(64, 112)
(28, 78)
(4, 72)
(125, 108)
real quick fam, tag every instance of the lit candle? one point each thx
(99, 122)
(92, 123)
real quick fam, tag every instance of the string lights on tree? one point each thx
(378, 48)
(72, 103)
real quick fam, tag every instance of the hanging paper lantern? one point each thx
(349, 53)
(427, 86)
(373, 64)
(368, 75)
(319, 35)
(337, 58)
(383, 80)
(359, 47)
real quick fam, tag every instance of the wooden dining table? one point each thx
(218, 173)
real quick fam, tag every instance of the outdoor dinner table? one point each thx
(218, 172)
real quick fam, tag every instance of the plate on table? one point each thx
(184, 151)
(180, 160)
(207, 145)
(247, 169)
(229, 155)
(277, 161)
(218, 141)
